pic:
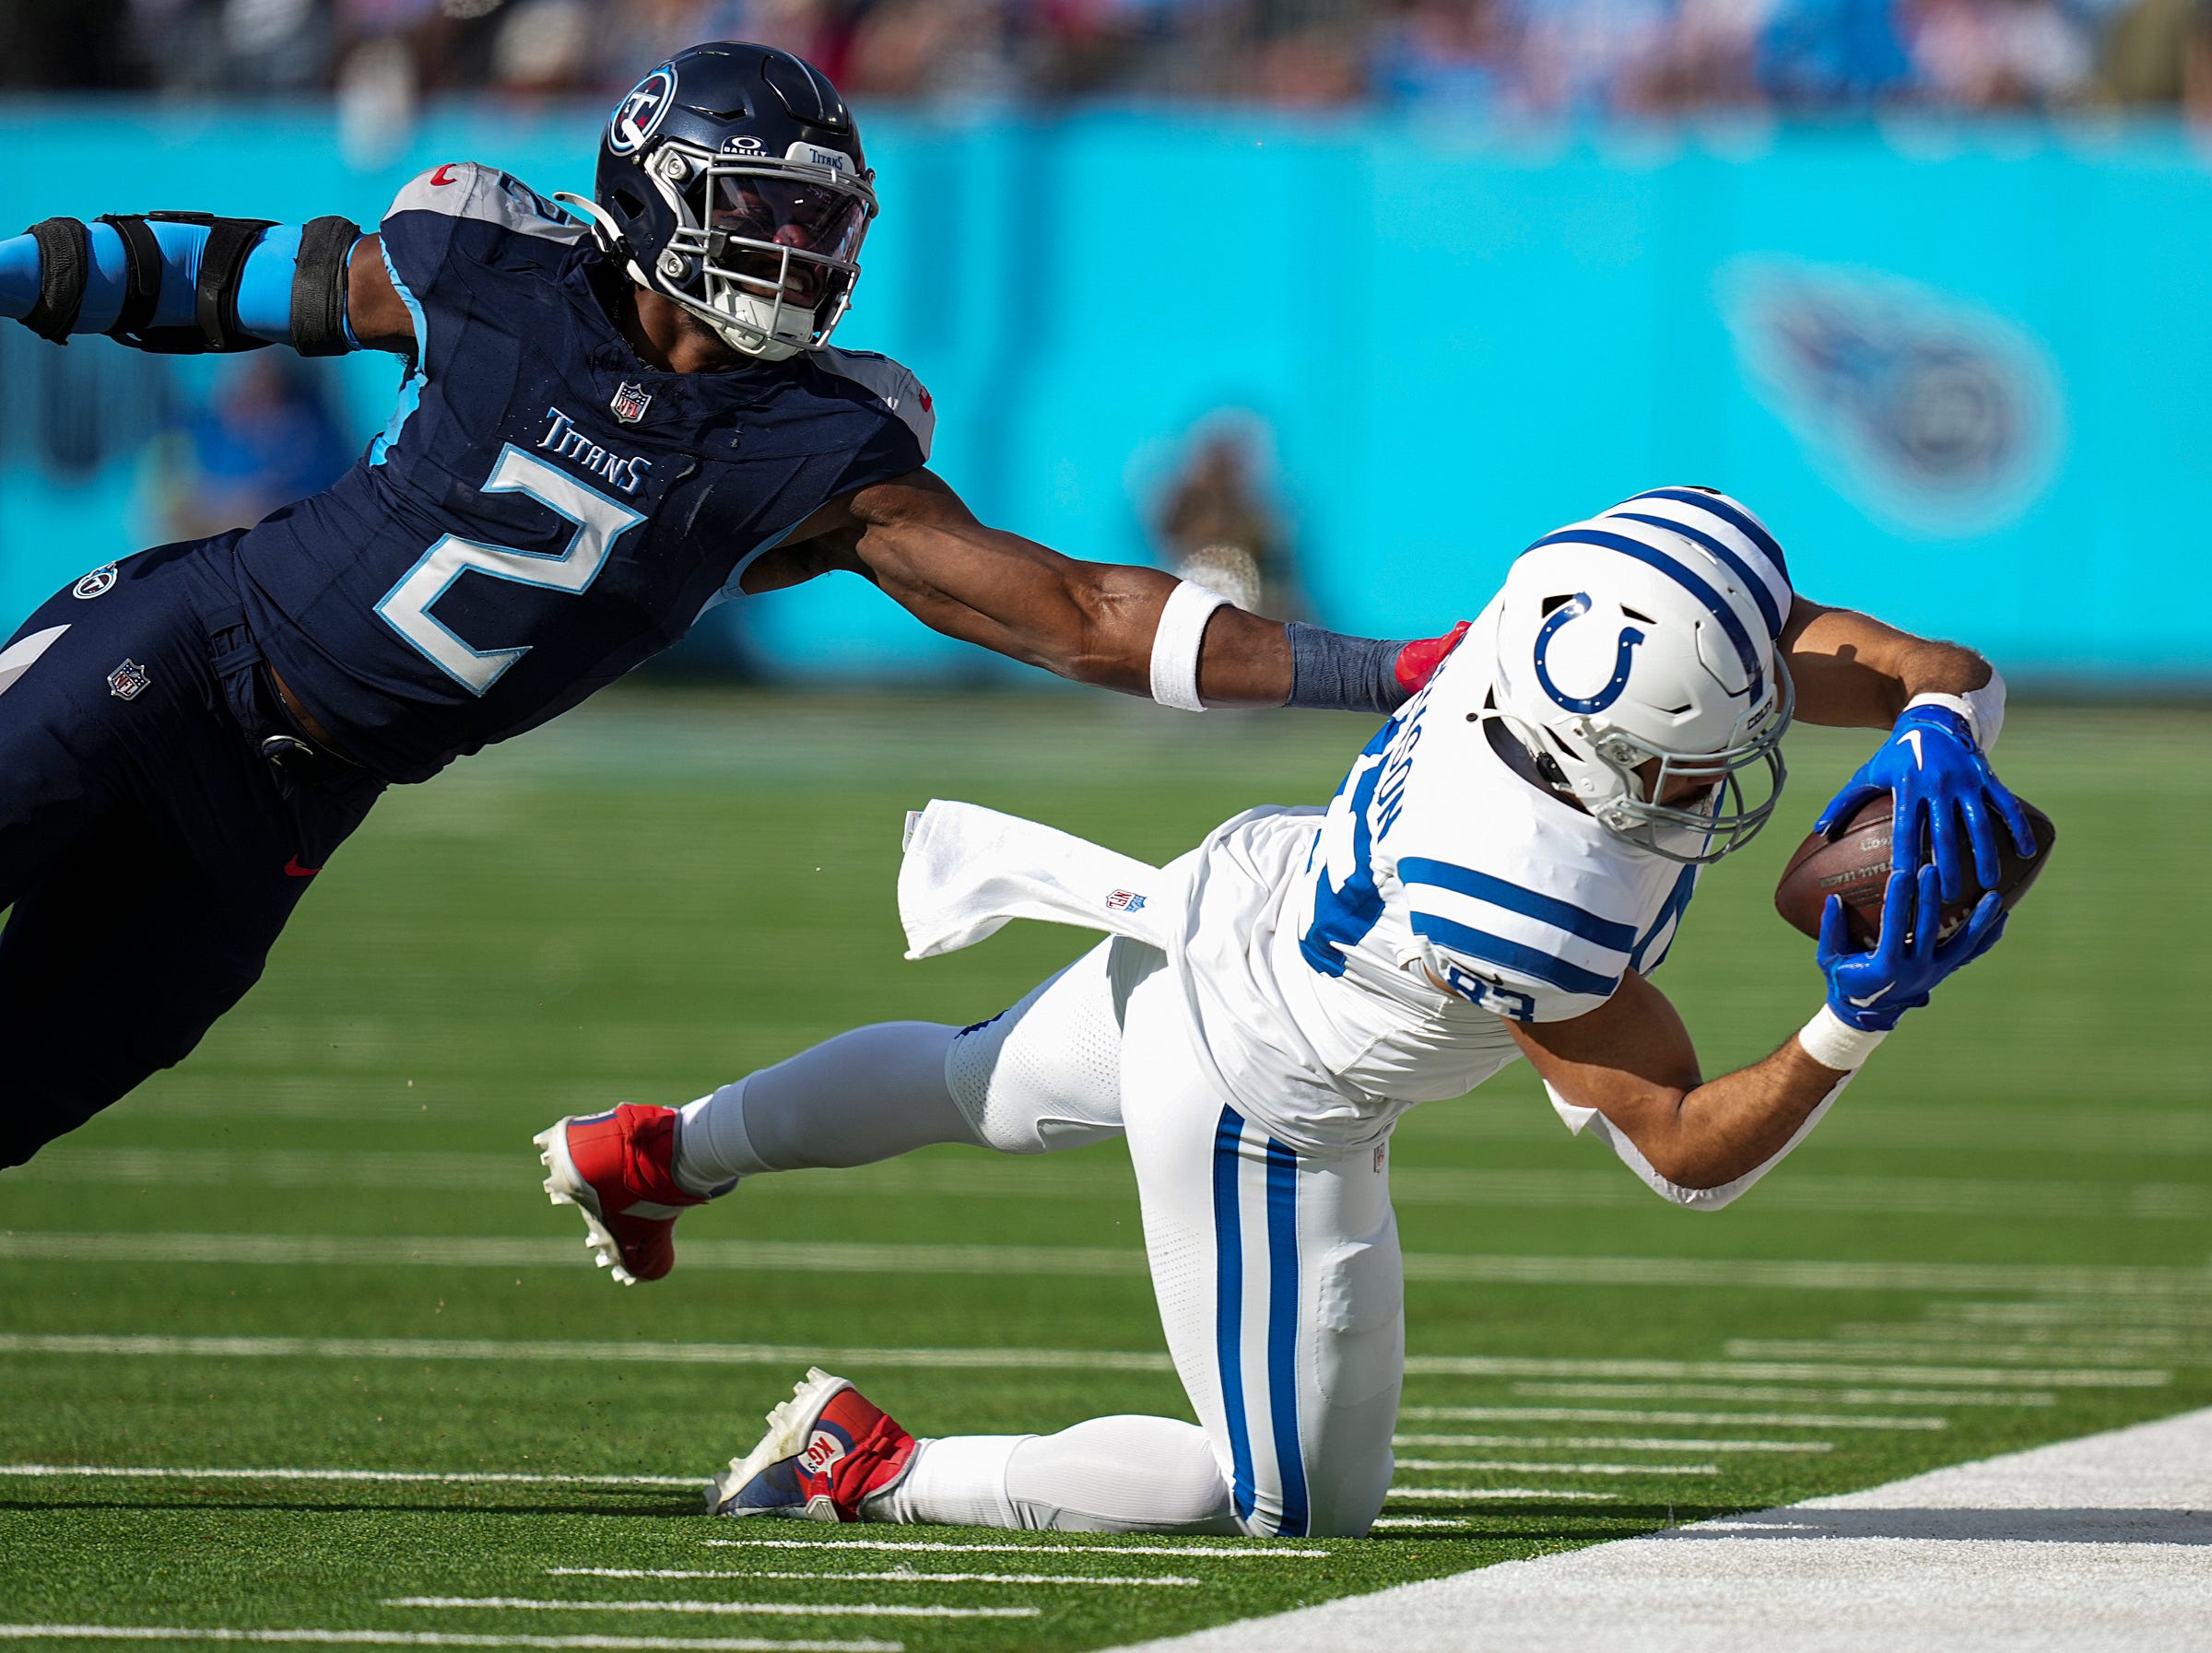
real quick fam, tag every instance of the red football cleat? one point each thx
(618, 1169)
(827, 1451)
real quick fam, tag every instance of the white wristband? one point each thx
(1175, 645)
(1984, 709)
(1833, 1042)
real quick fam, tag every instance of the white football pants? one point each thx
(1277, 1273)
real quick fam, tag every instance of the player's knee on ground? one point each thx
(1120, 1474)
(1047, 1074)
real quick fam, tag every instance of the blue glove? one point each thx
(1871, 991)
(1944, 790)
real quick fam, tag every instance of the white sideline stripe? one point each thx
(433, 1638)
(1619, 1443)
(1776, 1391)
(818, 1257)
(1103, 1360)
(790, 1610)
(1148, 1552)
(458, 1477)
(1475, 1495)
(2088, 1547)
(1157, 1581)
(1519, 1466)
(1594, 1414)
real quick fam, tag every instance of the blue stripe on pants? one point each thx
(1282, 1334)
(1228, 1302)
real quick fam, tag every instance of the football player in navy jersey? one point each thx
(606, 428)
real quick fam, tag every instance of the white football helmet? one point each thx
(1636, 667)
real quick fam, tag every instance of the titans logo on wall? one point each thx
(1924, 408)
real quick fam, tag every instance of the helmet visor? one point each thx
(778, 235)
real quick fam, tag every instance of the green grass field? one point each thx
(321, 1246)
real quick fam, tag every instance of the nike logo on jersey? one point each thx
(1912, 738)
(563, 440)
(292, 869)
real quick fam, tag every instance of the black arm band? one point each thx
(215, 329)
(64, 264)
(1331, 671)
(319, 286)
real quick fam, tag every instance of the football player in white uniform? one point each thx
(1499, 873)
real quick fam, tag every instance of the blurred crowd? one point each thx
(1505, 59)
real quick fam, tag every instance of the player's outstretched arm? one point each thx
(194, 283)
(1632, 1059)
(1944, 705)
(1138, 630)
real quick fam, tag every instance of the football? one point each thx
(1853, 862)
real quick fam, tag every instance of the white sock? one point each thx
(956, 1481)
(868, 1094)
(1115, 1475)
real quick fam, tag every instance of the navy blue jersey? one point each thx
(545, 511)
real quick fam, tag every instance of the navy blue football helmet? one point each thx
(731, 179)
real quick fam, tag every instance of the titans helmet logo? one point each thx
(637, 116)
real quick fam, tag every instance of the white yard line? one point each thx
(1803, 1394)
(446, 1477)
(1086, 1581)
(789, 1610)
(2090, 1546)
(433, 1638)
(1599, 1414)
(1820, 1371)
(1414, 1186)
(1619, 1443)
(2075, 1312)
(1151, 1551)
(565, 1353)
(821, 1257)
(1923, 1348)
(428, 1348)
(1475, 1495)
(1522, 1467)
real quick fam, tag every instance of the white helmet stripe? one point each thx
(1768, 610)
(1721, 608)
(1730, 512)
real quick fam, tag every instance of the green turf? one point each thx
(666, 890)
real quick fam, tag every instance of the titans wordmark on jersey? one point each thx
(544, 511)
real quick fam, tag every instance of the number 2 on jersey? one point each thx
(599, 521)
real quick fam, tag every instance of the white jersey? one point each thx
(1340, 966)
(1314, 943)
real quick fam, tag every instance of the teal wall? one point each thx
(1966, 373)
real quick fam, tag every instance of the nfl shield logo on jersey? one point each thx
(129, 680)
(630, 403)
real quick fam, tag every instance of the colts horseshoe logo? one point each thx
(1624, 647)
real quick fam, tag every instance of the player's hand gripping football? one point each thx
(1946, 793)
(1870, 990)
